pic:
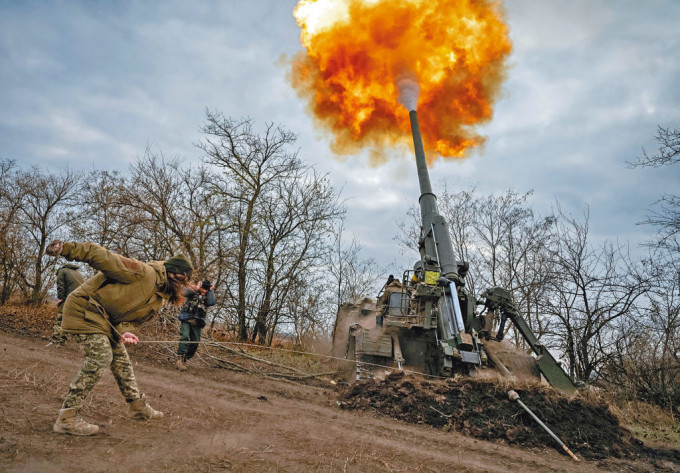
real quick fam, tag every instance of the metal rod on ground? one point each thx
(513, 396)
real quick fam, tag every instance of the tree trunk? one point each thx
(260, 331)
(37, 286)
(242, 270)
(241, 305)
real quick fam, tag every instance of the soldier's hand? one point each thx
(129, 338)
(55, 248)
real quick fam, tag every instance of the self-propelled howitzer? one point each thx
(429, 322)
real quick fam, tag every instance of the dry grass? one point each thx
(29, 320)
(648, 422)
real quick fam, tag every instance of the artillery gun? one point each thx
(428, 322)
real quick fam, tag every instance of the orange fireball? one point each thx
(356, 51)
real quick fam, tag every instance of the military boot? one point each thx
(181, 363)
(140, 410)
(70, 422)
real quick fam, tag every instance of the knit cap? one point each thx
(179, 264)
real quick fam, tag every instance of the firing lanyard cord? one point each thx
(298, 352)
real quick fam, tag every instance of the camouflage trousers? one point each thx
(101, 353)
(58, 336)
(188, 333)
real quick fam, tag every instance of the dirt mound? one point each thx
(481, 409)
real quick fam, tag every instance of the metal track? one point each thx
(365, 371)
(371, 367)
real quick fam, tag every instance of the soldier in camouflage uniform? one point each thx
(68, 278)
(192, 317)
(103, 312)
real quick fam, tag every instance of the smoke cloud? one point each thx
(364, 61)
(409, 90)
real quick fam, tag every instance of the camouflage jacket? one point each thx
(124, 293)
(196, 306)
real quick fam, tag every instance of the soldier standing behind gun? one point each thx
(68, 278)
(102, 312)
(192, 316)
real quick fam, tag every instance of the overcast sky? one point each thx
(90, 85)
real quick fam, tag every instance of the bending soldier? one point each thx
(102, 313)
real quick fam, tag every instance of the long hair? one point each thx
(174, 288)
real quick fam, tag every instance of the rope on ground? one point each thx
(299, 352)
(267, 362)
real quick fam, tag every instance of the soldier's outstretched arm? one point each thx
(113, 265)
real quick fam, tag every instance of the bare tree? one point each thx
(592, 288)
(646, 363)
(45, 209)
(12, 243)
(350, 277)
(176, 211)
(666, 213)
(296, 222)
(305, 309)
(104, 218)
(668, 152)
(250, 164)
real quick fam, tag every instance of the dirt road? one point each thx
(218, 420)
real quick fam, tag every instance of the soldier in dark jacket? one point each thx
(68, 278)
(103, 313)
(192, 318)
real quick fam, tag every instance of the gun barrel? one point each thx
(435, 238)
(428, 201)
(421, 164)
